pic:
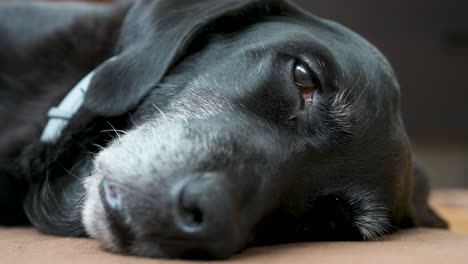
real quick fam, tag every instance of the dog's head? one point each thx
(255, 123)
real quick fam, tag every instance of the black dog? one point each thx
(201, 127)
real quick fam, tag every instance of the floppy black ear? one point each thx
(421, 213)
(154, 36)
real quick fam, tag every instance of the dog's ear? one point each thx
(421, 214)
(157, 34)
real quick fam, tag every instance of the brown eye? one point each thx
(306, 81)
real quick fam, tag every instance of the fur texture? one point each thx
(196, 141)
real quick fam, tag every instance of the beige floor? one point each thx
(428, 246)
(452, 204)
(26, 245)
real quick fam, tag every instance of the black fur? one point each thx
(338, 168)
(35, 76)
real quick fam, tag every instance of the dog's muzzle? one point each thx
(204, 216)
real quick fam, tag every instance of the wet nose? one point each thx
(204, 212)
(203, 217)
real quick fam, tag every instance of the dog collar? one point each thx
(59, 117)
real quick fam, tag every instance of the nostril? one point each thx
(197, 216)
(193, 217)
(111, 195)
(203, 215)
(190, 212)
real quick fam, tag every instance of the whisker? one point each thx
(394, 227)
(83, 147)
(98, 146)
(131, 119)
(160, 111)
(69, 172)
(109, 134)
(115, 131)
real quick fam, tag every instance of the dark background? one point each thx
(426, 41)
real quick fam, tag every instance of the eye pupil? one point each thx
(306, 82)
(303, 77)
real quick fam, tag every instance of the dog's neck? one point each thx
(44, 73)
(59, 116)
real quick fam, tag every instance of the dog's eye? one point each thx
(306, 81)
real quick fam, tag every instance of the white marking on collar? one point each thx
(59, 117)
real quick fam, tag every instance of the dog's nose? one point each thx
(203, 217)
(204, 214)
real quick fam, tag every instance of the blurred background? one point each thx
(426, 41)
